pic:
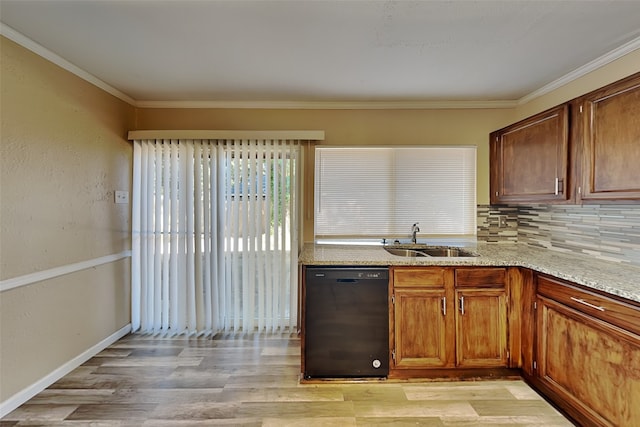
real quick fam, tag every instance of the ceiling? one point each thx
(325, 51)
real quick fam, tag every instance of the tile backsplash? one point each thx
(489, 229)
(610, 232)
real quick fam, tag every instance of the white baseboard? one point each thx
(24, 395)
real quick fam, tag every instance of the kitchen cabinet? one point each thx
(530, 160)
(609, 121)
(422, 309)
(588, 354)
(481, 317)
(481, 328)
(583, 151)
(449, 318)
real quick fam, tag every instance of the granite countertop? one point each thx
(618, 279)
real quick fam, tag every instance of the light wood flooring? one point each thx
(254, 381)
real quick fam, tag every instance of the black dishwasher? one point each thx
(346, 326)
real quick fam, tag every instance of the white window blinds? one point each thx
(381, 191)
(214, 235)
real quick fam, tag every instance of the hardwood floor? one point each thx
(253, 381)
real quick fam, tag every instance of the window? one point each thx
(377, 192)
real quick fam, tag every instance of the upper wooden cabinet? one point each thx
(529, 159)
(609, 121)
(586, 150)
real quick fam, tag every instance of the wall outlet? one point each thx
(502, 221)
(122, 197)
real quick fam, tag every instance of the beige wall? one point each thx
(63, 153)
(350, 127)
(394, 127)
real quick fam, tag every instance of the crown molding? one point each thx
(330, 105)
(582, 71)
(45, 53)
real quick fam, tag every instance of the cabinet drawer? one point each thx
(618, 313)
(481, 277)
(419, 277)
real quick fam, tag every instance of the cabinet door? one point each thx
(529, 159)
(481, 328)
(592, 366)
(611, 142)
(422, 329)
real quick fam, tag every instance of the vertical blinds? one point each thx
(214, 235)
(381, 191)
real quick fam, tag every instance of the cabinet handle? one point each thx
(462, 305)
(581, 301)
(444, 306)
(559, 186)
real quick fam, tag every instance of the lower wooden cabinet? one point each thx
(578, 347)
(449, 318)
(423, 331)
(481, 328)
(422, 318)
(586, 363)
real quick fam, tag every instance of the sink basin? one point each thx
(428, 251)
(405, 252)
(445, 252)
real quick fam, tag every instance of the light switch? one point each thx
(122, 197)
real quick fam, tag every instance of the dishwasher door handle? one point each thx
(347, 280)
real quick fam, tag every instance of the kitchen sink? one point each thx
(428, 251)
(405, 252)
(447, 252)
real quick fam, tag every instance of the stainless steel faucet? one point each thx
(414, 230)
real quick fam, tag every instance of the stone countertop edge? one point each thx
(622, 280)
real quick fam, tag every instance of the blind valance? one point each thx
(302, 135)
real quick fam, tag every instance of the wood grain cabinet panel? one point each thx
(618, 313)
(529, 159)
(481, 328)
(481, 277)
(420, 277)
(422, 314)
(422, 330)
(590, 368)
(588, 353)
(611, 141)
